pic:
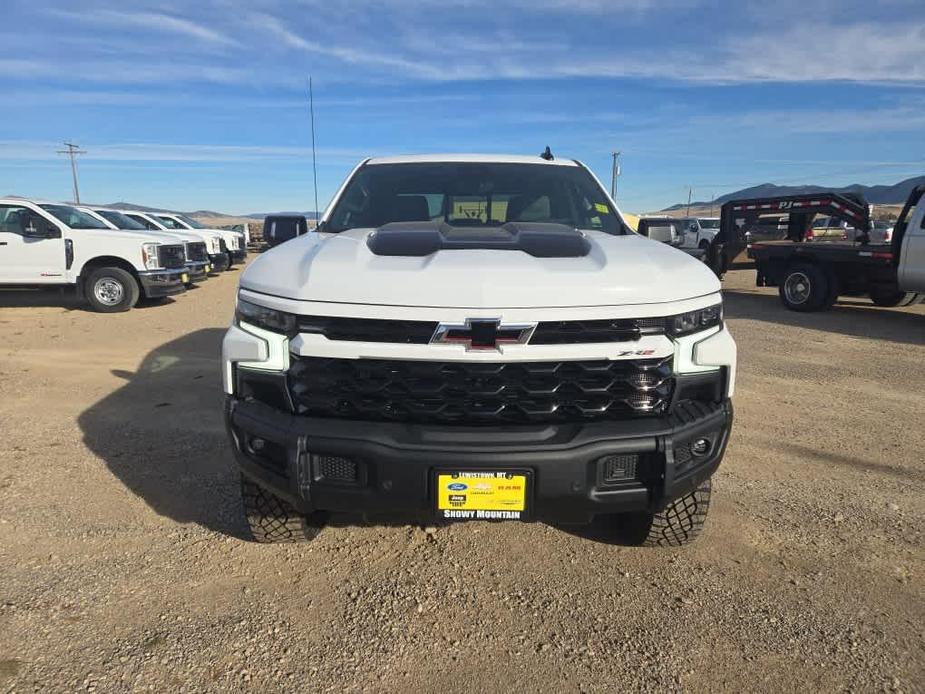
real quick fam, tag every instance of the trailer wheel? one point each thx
(891, 299)
(807, 287)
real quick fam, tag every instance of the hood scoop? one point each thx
(419, 239)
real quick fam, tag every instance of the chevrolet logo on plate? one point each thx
(483, 333)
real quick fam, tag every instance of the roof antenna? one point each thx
(311, 108)
(547, 155)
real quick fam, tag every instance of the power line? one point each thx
(73, 151)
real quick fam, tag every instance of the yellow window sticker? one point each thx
(602, 208)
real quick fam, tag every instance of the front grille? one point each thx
(420, 332)
(171, 257)
(196, 252)
(595, 331)
(411, 332)
(474, 393)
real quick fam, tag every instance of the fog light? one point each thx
(700, 447)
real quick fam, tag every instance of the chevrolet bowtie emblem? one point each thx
(483, 333)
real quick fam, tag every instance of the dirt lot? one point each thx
(122, 563)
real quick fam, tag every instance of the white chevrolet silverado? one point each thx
(475, 337)
(49, 244)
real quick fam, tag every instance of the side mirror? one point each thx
(36, 227)
(280, 228)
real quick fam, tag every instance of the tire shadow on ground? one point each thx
(162, 434)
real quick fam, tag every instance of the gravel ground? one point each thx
(123, 564)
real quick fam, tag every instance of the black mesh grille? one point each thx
(472, 393)
(619, 468)
(335, 469)
(590, 331)
(369, 329)
(171, 257)
(196, 252)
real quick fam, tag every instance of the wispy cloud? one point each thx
(147, 21)
(155, 151)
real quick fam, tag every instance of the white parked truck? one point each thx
(235, 241)
(812, 276)
(470, 337)
(49, 244)
(195, 250)
(215, 242)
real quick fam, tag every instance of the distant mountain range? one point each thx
(204, 213)
(878, 195)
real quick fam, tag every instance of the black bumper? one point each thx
(198, 272)
(238, 256)
(219, 261)
(159, 283)
(390, 469)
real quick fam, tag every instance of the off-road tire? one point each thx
(111, 290)
(893, 299)
(807, 287)
(680, 523)
(273, 520)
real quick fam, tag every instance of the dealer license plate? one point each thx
(482, 495)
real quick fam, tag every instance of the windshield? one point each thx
(168, 222)
(74, 218)
(190, 222)
(473, 194)
(120, 220)
(709, 224)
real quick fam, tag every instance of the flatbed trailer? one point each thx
(810, 276)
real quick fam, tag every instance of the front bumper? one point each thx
(218, 261)
(391, 467)
(159, 283)
(238, 256)
(198, 271)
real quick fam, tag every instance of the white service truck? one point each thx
(215, 242)
(469, 337)
(235, 241)
(46, 244)
(195, 250)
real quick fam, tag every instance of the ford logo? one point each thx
(457, 487)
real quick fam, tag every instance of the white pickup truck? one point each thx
(469, 337)
(215, 242)
(195, 250)
(48, 244)
(235, 241)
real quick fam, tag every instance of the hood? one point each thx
(138, 236)
(341, 268)
(162, 236)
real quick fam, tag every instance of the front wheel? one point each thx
(680, 523)
(274, 520)
(111, 290)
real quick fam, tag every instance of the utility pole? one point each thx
(73, 151)
(614, 174)
(690, 190)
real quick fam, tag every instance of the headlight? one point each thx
(149, 256)
(215, 246)
(695, 321)
(266, 318)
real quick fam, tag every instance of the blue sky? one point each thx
(204, 105)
